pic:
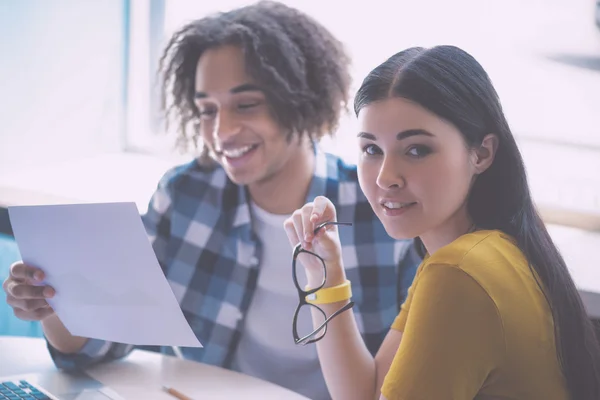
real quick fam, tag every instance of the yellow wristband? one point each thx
(331, 294)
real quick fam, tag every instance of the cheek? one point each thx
(444, 181)
(274, 139)
(265, 126)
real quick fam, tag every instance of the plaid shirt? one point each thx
(200, 228)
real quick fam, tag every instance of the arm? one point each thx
(59, 337)
(348, 367)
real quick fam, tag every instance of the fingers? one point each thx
(28, 309)
(27, 300)
(290, 231)
(320, 205)
(26, 305)
(299, 227)
(37, 315)
(323, 210)
(307, 223)
(21, 271)
(22, 290)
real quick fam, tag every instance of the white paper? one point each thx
(109, 284)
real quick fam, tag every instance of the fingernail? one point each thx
(48, 292)
(38, 276)
(314, 217)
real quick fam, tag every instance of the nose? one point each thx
(226, 128)
(390, 176)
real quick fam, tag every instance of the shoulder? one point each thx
(479, 249)
(488, 259)
(192, 175)
(453, 291)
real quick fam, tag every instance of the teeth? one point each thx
(389, 204)
(235, 153)
(393, 205)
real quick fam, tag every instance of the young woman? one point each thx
(493, 312)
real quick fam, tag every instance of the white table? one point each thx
(142, 374)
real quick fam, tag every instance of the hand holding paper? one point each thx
(108, 282)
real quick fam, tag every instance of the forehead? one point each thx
(220, 69)
(395, 114)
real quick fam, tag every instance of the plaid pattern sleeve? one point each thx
(94, 351)
(156, 222)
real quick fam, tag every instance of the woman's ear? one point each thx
(484, 155)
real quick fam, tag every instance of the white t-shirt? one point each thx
(267, 349)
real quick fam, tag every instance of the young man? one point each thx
(258, 87)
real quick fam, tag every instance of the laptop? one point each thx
(54, 385)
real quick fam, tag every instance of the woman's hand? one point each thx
(300, 229)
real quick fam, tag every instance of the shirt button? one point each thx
(253, 261)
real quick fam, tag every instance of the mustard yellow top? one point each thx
(475, 326)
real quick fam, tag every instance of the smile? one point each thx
(394, 206)
(238, 152)
(393, 209)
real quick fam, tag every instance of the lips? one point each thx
(396, 208)
(394, 205)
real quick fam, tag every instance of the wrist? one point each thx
(335, 276)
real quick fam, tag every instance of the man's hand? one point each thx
(26, 294)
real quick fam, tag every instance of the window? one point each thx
(541, 55)
(61, 80)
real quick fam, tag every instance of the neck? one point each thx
(456, 226)
(285, 191)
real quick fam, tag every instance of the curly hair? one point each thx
(302, 67)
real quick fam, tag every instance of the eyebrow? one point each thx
(402, 135)
(246, 87)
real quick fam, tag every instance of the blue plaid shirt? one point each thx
(199, 225)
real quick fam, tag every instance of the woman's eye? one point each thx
(371, 150)
(418, 151)
(245, 106)
(207, 112)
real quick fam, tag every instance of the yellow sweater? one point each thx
(475, 326)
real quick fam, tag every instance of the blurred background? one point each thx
(79, 116)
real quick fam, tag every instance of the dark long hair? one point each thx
(451, 84)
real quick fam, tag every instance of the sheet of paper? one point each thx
(109, 284)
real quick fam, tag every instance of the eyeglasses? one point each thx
(313, 335)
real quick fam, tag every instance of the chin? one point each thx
(399, 232)
(241, 179)
(246, 176)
